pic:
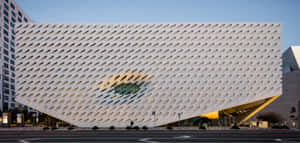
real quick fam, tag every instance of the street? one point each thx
(150, 136)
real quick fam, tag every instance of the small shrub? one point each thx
(280, 127)
(136, 127)
(111, 127)
(285, 127)
(145, 128)
(202, 127)
(46, 128)
(235, 127)
(128, 128)
(95, 128)
(169, 127)
(53, 128)
(70, 128)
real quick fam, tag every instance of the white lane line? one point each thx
(278, 140)
(146, 140)
(28, 140)
(23, 141)
(182, 137)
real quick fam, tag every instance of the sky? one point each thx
(286, 12)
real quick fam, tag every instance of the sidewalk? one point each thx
(18, 129)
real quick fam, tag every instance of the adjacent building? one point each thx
(152, 74)
(10, 14)
(286, 107)
(291, 59)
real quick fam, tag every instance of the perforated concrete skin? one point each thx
(75, 71)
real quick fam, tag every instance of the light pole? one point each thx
(153, 113)
(179, 115)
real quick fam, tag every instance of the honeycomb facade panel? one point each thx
(107, 74)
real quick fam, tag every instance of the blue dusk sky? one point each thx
(283, 11)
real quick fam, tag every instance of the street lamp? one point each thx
(179, 115)
(153, 113)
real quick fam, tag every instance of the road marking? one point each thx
(278, 140)
(23, 141)
(182, 137)
(27, 140)
(146, 140)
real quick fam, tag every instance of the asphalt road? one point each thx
(151, 136)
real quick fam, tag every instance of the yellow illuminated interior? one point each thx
(211, 115)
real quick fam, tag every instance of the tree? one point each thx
(293, 110)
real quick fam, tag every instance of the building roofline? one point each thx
(151, 23)
(24, 13)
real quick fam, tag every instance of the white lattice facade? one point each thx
(112, 73)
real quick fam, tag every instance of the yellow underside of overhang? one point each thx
(270, 100)
(242, 112)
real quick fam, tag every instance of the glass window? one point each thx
(12, 62)
(13, 45)
(6, 39)
(12, 68)
(5, 71)
(5, 65)
(5, 32)
(12, 37)
(12, 25)
(6, 85)
(6, 6)
(12, 6)
(6, 58)
(126, 88)
(13, 20)
(25, 19)
(5, 45)
(13, 13)
(6, 26)
(5, 19)
(5, 78)
(5, 12)
(5, 52)
(19, 19)
(20, 13)
(12, 82)
(12, 49)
